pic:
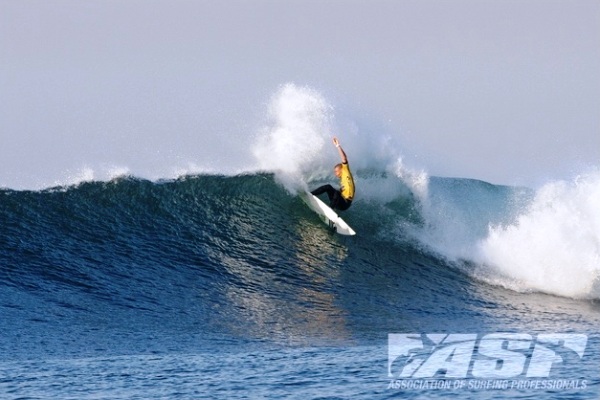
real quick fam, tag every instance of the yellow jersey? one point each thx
(346, 182)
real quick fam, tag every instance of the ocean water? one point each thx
(225, 285)
(221, 287)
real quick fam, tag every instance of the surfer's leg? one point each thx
(335, 200)
(342, 204)
(339, 202)
(331, 192)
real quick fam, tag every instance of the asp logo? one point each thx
(490, 356)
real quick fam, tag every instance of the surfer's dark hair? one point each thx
(338, 166)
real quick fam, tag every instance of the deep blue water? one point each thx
(229, 287)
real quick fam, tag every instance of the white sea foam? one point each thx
(554, 246)
(89, 174)
(546, 240)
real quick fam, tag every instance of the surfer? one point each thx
(339, 199)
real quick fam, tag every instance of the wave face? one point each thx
(210, 249)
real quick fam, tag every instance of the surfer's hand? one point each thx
(340, 150)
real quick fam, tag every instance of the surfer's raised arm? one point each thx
(336, 142)
(339, 199)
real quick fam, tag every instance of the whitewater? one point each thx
(217, 282)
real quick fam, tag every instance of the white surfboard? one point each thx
(327, 215)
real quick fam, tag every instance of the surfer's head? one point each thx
(337, 170)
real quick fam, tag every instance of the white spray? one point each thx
(292, 142)
(296, 144)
